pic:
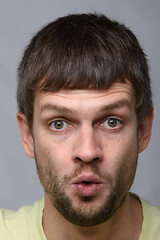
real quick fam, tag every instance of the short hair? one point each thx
(83, 51)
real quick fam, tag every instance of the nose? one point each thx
(87, 145)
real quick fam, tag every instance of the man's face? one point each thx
(86, 148)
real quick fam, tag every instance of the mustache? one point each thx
(91, 168)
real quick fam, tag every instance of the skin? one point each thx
(96, 136)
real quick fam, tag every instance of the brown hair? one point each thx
(83, 51)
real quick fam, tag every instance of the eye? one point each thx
(58, 124)
(112, 123)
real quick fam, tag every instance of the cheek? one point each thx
(121, 151)
(54, 156)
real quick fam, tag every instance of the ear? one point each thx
(26, 136)
(144, 131)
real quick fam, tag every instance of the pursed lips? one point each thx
(87, 185)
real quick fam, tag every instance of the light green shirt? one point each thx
(151, 222)
(26, 223)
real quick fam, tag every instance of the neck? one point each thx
(126, 223)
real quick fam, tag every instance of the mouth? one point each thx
(87, 185)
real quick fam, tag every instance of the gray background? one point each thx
(19, 19)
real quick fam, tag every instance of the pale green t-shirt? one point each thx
(26, 223)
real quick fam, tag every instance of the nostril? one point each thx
(96, 159)
(78, 160)
(87, 161)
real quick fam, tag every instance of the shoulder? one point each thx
(24, 222)
(151, 221)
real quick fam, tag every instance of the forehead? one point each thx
(117, 93)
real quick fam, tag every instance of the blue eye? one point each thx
(112, 122)
(59, 124)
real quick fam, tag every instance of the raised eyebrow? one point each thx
(54, 107)
(64, 109)
(118, 104)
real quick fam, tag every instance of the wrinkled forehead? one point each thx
(116, 95)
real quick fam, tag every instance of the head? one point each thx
(85, 113)
(85, 51)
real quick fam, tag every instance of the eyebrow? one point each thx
(53, 107)
(114, 105)
(108, 107)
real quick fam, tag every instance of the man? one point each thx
(85, 113)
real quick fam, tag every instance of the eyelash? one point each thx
(64, 124)
(113, 121)
(60, 121)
